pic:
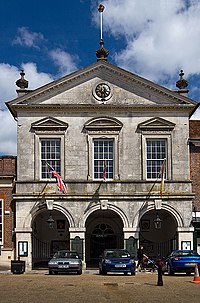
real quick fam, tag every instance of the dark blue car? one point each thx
(116, 260)
(181, 261)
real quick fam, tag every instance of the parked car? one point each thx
(65, 261)
(181, 261)
(116, 260)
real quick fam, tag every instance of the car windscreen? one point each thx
(117, 254)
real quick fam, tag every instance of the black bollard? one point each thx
(160, 280)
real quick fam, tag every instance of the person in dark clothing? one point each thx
(140, 255)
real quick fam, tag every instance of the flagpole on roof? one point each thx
(101, 9)
(101, 53)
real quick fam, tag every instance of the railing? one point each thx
(41, 252)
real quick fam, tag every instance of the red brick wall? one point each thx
(195, 161)
(7, 175)
(7, 166)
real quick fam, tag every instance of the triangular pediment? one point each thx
(103, 124)
(78, 89)
(156, 123)
(49, 123)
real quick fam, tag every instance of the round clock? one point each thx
(102, 91)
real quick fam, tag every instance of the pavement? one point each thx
(37, 286)
(45, 271)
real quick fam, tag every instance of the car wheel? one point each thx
(104, 272)
(133, 273)
(188, 273)
(125, 273)
(50, 272)
(79, 272)
(169, 270)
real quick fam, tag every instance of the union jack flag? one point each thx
(60, 183)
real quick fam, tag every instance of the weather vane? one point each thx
(101, 9)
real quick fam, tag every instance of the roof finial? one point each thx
(101, 53)
(22, 83)
(181, 83)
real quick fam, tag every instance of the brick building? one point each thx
(7, 187)
(194, 142)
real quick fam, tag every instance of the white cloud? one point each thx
(35, 78)
(8, 92)
(8, 135)
(27, 38)
(65, 61)
(9, 75)
(161, 36)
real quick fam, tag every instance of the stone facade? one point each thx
(7, 187)
(96, 213)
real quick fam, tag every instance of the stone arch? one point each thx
(158, 241)
(36, 210)
(104, 225)
(176, 215)
(98, 207)
(49, 237)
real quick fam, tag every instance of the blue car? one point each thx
(181, 261)
(116, 260)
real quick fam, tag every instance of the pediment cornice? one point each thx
(103, 123)
(102, 70)
(100, 107)
(50, 124)
(156, 123)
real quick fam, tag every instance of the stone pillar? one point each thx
(131, 232)
(185, 237)
(131, 239)
(78, 232)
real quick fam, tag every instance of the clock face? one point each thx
(102, 91)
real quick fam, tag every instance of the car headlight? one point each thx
(132, 261)
(53, 263)
(107, 261)
(75, 263)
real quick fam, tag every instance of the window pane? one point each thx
(156, 152)
(103, 158)
(50, 152)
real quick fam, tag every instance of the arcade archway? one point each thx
(46, 239)
(104, 229)
(158, 242)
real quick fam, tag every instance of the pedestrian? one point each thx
(140, 255)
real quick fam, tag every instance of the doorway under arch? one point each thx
(48, 238)
(104, 229)
(158, 242)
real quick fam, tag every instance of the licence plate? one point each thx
(189, 264)
(63, 266)
(120, 265)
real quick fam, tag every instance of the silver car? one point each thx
(65, 261)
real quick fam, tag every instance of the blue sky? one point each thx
(152, 38)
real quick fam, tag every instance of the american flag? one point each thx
(60, 183)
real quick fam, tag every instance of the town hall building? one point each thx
(109, 134)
